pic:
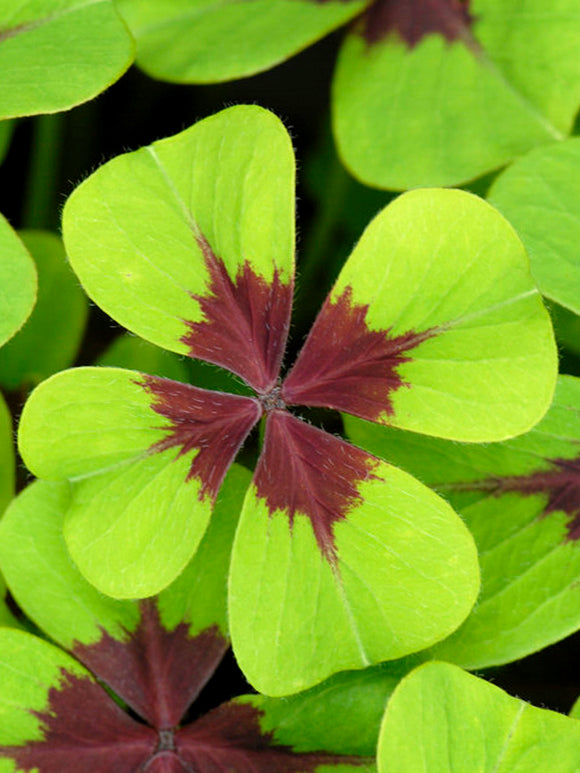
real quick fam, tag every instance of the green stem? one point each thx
(40, 204)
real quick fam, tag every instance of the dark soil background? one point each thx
(138, 110)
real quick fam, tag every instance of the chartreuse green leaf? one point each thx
(17, 282)
(49, 340)
(171, 239)
(540, 195)
(340, 561)
(7, 463)
(55, 54)
(211, 40)
(439, 95)
(444, 330)
(6, 128)
(575, 710)
(520, 500)
(142, 493)
(443, 720)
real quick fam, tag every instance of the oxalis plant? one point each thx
(404, 504)
(189, 242)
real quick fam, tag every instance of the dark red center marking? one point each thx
(214, 424)
(304, 470)
(245, 323)
(230, 739)
(560, 484)
(346, 366)
(84, 731)
(157, 672)
(412, 20)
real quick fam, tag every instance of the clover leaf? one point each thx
(18, 282)
(51, 336)
(155, 656)
(440, 719)
(340, 559)
(540, 195)
(425, 92)
(521, 501)
(55, 54)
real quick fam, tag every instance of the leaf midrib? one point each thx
(9, 32)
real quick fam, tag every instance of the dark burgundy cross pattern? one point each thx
(560, 484)
(158, 674)
(412, 20)
(344, 365)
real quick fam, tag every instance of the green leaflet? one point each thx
(457, 269)
(133, 521)
(7, 464)
(540, 195)
(132, 230)
(178, 40)
(442, 720)
(343, 713)
(108, 421)
(399, 582)
(51, 336)
(85, 41)
(53, 593)
(442, 112)
(17, 282)
(529, 555)
(575, 710)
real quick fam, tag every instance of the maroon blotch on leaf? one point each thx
(346, 366)
(560, 484)
(245, 323)
(157, 672)
(213, 423)
(85, 731)
(412, 20)
(304, 470)
(230, 738)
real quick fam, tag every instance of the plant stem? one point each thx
(39, 207)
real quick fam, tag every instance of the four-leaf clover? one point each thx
(340, 559)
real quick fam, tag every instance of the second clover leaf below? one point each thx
(340, 559)
(154, 657)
